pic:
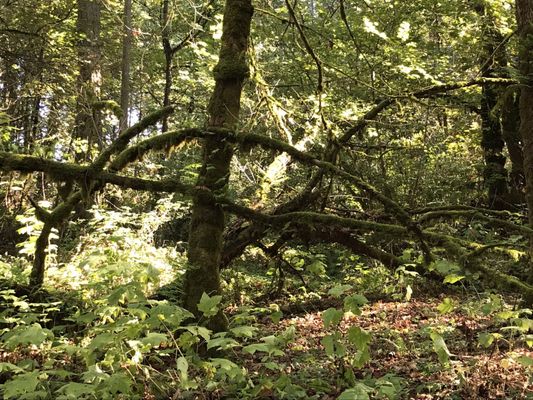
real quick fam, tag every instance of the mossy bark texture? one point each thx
(89, 78)
(524, 17)
(493, 62)
(513, 141)
(207, 222)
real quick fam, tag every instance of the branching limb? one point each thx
(362, 122)
(69, 172)
(474, 214)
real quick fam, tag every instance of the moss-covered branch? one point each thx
(160, 142)
(362, 122)
(474, 214)
(174, 138)
(450, 244)
(25, 163)
(127, 135)
(498, 213)
(72, 171)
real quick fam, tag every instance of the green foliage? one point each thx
(439, 345)
(446, 306)
(108, 322)
(359, 392)
(332, 317)
(209, 305)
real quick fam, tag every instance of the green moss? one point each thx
(228, 69)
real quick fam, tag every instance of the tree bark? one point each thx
(524, 18)
(126, 62)
(513, 142)
(492, 143)
(167, 51)
(89, 79)
(208, 219)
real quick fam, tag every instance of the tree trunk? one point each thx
(493, 61)
(513, 142)
(208, 220)
(524, 18)
(39, 257)
(167, 50)
(126, 62)
(89, 80)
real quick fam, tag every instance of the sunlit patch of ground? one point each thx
(401, 346)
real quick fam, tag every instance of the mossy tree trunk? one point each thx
(492, 63)
(167, 50)
(513, 142)
(127, 39)
(524, 17)
(89, 78)
(207, 222)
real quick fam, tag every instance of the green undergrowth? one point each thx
(124, 344)
(313, 323)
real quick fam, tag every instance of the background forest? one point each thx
(321, 199)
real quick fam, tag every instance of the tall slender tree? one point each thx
(126, 63)
(524, 18)
(208, 219)
(492, 63)
(90, 76)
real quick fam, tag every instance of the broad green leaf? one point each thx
(526, 361)
(445, 267)
(505, 315)
(6, 366)
(101, 341)
(359, 337)
(361, 358)
(85, 318)
(252, 348)
(353, 302)
(21, 385)
(94, 374)
(317, 267)
(359, 392)
(244, 331)
(118, 383)
(182, 365)
(222, 343)
(209, 305)
(154, 339)
(453, 278)
(199, 331)
(439, 345)
(486, 339)
(333, 346)
(276, 316)
(332, 316)
(388, 390)
(339, 290)
(75, 390)
(28, 335)
(169, 314)
(446, 306)
(230, 368)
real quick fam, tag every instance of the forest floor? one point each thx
(486, 356)
(323, 342)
